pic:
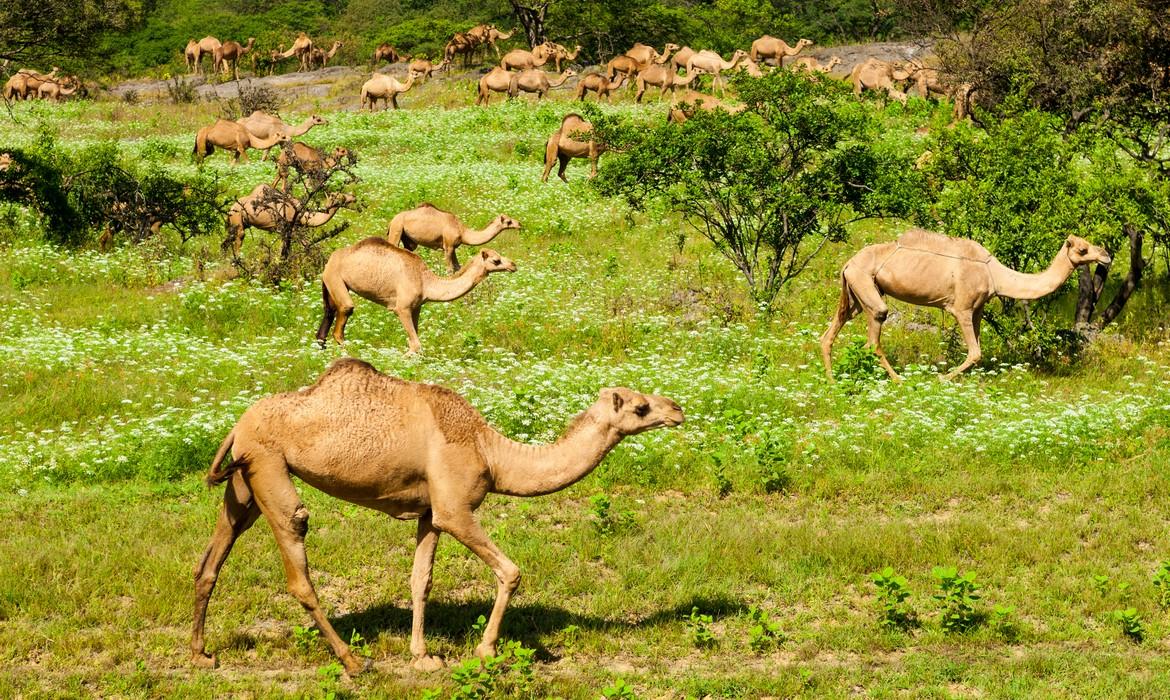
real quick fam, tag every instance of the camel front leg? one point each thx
(969, 323)
(452, 261)
(406, 315)
(420, 589)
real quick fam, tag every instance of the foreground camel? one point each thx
(664, 78)
(233, 137)
(310, 161)
(429, 226)
(812, 65)
(564, 145)
(769, 48)
(713, 64)
(495, 80)
(230, 53)
(265, 208)
(410, 450)
(386, 88)
(536, 80)
(521, 59)
(597, 82)
(263, 125)
(954, 274)
(380, 271)
(876, 74)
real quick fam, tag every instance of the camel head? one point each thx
(494, 262)
(630, 412)
(670, 47)
(803, 43)
(317, 121)
(506, 222)
(1082, 252)
(340, 199)
(833, 62)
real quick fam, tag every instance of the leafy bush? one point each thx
(699, 628)
(957, 598)
(764, 633)
(893, 592)
(1132, 624)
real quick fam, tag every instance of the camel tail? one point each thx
(215, 475)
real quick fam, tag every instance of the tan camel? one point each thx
(565, 144)
(386, 52)
(663, 77)
(494, 35)
(208, 45)
(230, 53)
(410, 450)
(769, 48)
(264, 208)
(26, 83)
(536, 80)
(713, 64)
(645, 55)
(680, 58)
(302, 48)
(560, 53)
(308, 160)
(323, 57)
(812, 65)
(683, 106)
(263, 125)
(386, 88)
(954, 274)
(876, 74)
(422, 68)
(232, 137)
(58, 89)
(495, 80)
(191, 56)
(429, 226)
(380, 271)
(522, 59)
(597, 82)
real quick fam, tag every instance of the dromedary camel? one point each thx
(230, 53)
(302, 48)
(262, 125)
(536, 80)
(422, 68)
(645, 55)
(308, 160)
(494, 35)
(264, 207)
(664, 78)
(429, 226)
(232, 137)
(713, 64)
(191, 56)
(812, 65)
(410, 450)
(208, 45)
(769, 48)
(26, 82)
(954, 274)
(876, 74)
(495, 80)
(680, 58)
(521, 59)
(597, 82)
(59, 88)
(564, 145)
(386, 52)
(386, 88)
(380, 271)
(560, 53)
(322, 57)
(682, 107)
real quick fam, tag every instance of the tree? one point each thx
(770, 185)
(530, 14)
(42, 30)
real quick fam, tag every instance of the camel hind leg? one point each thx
(847, 308)
(329, 316)
(335, 291)
(550, 156)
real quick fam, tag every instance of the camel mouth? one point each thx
(1105, 259)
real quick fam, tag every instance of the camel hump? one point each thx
(428, 205)
(373, 242)
(350, 364)
(938, 243)
(572, 115)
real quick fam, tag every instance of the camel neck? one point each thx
(1022, 285)
(473, 237)
(437, 288)
(519, 469)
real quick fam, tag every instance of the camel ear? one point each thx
(483, 254)
(618, 402)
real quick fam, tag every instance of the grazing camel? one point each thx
(560, 53)
(308, 160)
(876, 74)
(664, 78)
(191, 56)
(26, 83)
(812, 65)
(263, 125)
(208, 45)
(58, 89)
(232, 137)
(422, 68)
(268, 60)
(429, 226)
(230, 53)
(954, 274)
(713, 64)
(264, 208)
(521, 59)
(386, 52)
(495, 80)
(323, 57)
(380, 271)
(536, 80)
(460, 45)
(645, 55)
(563, 146)
(769, 48)
(597, 82)
(386, 88)
(407, 449)
(302, 48)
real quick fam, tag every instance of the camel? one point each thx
(306, 159)
(494, 35)
(26, 83)
(269, 60)
(262, 125)
(712, 63)
(322, 56)
(876, 74)
(812, 65)
(232, 137)
(954, 274)
(58, 89)
(208, 45)
(495, 80)
(407, 449)
(521, 59)
(560, 53)
(682, 107)
(386, 52)
(264, 207)
(459, 45)
(380, 271)
(563, 146)
(769, 48)
(191, 56)
(645, 55)
(302, 48)
(663, 77)
(230, 53)
(597, 82)
(680, 58)
(386, 88)
(429, 226)
(536, 80)
(423, 68)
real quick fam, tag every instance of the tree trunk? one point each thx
(1133, 278)
(1089, 286)
(530, 14)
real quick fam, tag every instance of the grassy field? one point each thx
(121, 371)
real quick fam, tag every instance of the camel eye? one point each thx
(642, 410)
(1083, 251)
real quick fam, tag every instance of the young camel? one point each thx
(954, 274)
(597, 82)
(386, 88)
(263, 125)
(264, 207)
(423, 69)
(429, 226)
(308, 160)
(536, 80)
(380, 271)
(232, 137)
(563, 146)
(769, 48)
(495, 80)
(410, 450)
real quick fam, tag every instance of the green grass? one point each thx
(122, 371)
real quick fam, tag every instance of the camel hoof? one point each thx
(484, 651)
(428, 663)
(202, 660)
(354, 667)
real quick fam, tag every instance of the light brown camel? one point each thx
(538, 81)
(680, 58)
(308, 160)
(495, 80)
(769, 48)
(494, 35)
(263, 125)
(812, 65)
(713, 64)
(645, 55)
(59, 88)
(597, 82)
(431, 227)
(954, 274)
(565, 144)
(302, 48)
(265, 207)
(208, 45)
(683, 106)
(25, 83)
(410, 450)
(230, 53)
(386, 88)
(522, 59)
(422, 68)
(386, 52)
(232, 137)
(191, 56)
(380, 271)
(663, 77)
(320, 58)
(560, 53)
(876, 74)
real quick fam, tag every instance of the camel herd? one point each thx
(28, 84)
